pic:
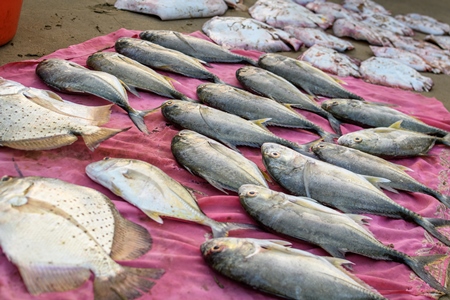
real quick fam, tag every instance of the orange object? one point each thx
(9, 19)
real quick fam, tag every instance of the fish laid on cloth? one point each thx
(275, 87)
(405, 57)
(390, 72)
(193, 46)
(34, 119)
(305, 76)
(174, 9)
(424, 24)
(253, 107)
(339, 188)
(223, 168)
(269, 266)
(224, 127)
(367, 164)
(392, 141)
(331, 61)
(153, 191)
(335, 232)
(72, 231)
(282, 13)
(374, 114)
(249, 34)
(134, 74)
(316, 36)
(70, 77)
(158, 57)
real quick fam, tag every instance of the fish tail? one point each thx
(335, 124)
(129, 283)
(250, 61)
(442, 198)
(328, 137)
(218, 80)
(305, 149)
(221, 229)
(186, 98)
(430, 224)
(94, 139)
(137, 116)
(446, 140)
(418, 264)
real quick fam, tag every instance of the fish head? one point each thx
(171, 109)
(218, 250)
(206, 89)
(340, 107)
(356, 140)
(281, 159)
(324, 149)
(251, 192)
(270, 59)
(186, 138)
(13, 190)
(106, 170)
(248, 71)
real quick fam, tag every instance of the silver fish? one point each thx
(223, 168)
(270, 266)
(275, 87)
(305, 76)
(158, 57)
(226, 128)
(392, 141)
(33, 120)
(154, 192)
(134, 74)
(252, 107)
(338, 187)
(371, 165)
(335, 232)
(70, 77)
(193, 46)
(72, 231)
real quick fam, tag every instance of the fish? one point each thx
(392, 141)
(337, 233)
(272, 267)
(281, 13)
(387, 22)
(442, 41)
(153, 191)
(134, 74)
(390, 72)
(333, 9)
(158, 57)
(196, 47)
(423, 23)
(367, 7)
(72, 231)
(331, 61)
(375, 114)
(70, 77)
(174, 9)
(224, 127)
(316, 36)
(304, 76)
(253, 107)
(223, 168)
(275, 87)
(367, 164)
(249, 34)
(359, 31)
(405, 57)
(33, 119)
(339, 188)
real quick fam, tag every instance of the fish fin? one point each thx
(360, 219)
(261, 122)
(333, 251)
(375, 181)
(183, 39)
(46, 143)
(340, 81)
(50, 278)
(129, 283)
(116, 190)
(221, 229)
(132, 90)
(46, 104)
(445, 140)
(266, 175)
(53, 95)
(92, 140)
(138, 116)
(153, 215)
(335, 124)
(387, 188)
(431, 225)
(396, 125)
(100, 114)
(130, 239)
(216, 79)
(216, 184)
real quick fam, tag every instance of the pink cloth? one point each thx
(176, 243)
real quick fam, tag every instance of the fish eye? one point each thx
(321, 146)
(252, 193)
(216, 248)
(6, 178)
(106, 158)
(357, 139)
(275, 154)
(334, 103)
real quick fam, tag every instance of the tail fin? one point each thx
(445, 140)
(418, 263)
(221, 229)
(442, 198)
(250, 61)
(137, 117)
(218, 80)
(128, 284)
(430, 224)
(328, 137)
(334, 123)
(305, 149)
(94, 139)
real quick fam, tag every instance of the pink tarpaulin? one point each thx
(176, 243)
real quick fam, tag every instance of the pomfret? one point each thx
(368, 164)
(134, 74)
(392, 141)
(226, 128)
(337, 187)
(54, 123)
(275, 87)
(72, 231)
(371, 114)
(223, 168)
(252, 107)
(70, 77)
(337, 233)
(271, 267)
(193, 46)
(305, 76)
(154, 192)
(156, 56)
